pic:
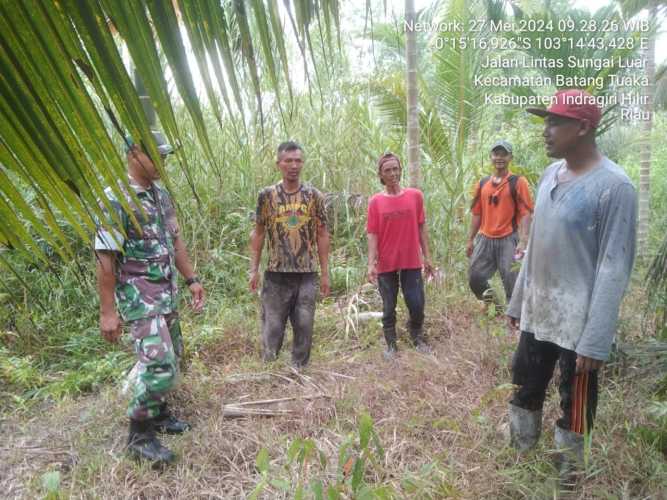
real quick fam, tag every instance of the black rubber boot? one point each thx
(143, 445)
(390, 337)
(166, 423)
(418, 340)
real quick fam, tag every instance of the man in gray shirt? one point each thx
(577, 266)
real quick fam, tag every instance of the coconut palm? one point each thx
(450, 109)
(67, 100)
(631, 8)
(412, 91)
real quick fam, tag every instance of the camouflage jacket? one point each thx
(146, 271)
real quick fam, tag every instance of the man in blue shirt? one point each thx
(577, 266)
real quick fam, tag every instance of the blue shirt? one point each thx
(579, 259)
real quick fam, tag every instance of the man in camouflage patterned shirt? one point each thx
(136, 270)
(292, 217)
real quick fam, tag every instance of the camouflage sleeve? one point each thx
(169, 212)
(108, 236)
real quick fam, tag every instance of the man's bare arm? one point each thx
(110, 324)
(184, 266)
(323, 247)
(423, 241)
(474, 228)
(256, 245)
(524, 231)
(372, 257)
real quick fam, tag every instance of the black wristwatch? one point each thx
(190, 281)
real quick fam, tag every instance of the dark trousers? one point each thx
(532, 368)
(288, 295)
(412, 285)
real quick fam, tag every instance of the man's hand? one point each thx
(520, 250)
(197, 292)
(513, 323)
(372, 274)
(429, 272)
(586, 364)
(470, 247)
(325, 286)
(111, 326)
(253, 283)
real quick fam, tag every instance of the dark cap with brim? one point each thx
(573, 103)
(538, 111)
(502, 144)
(163, 146)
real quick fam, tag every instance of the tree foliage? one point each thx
(65, 92)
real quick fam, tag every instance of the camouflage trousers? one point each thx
(158, 345)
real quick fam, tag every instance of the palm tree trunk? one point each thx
(413, 110)
(645, 153)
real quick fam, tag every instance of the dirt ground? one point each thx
(439, 420)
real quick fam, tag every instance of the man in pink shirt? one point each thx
(397, 249)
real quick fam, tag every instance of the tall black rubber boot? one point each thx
(418, 340)
(390, 338)
(143, 445)
(167, 423)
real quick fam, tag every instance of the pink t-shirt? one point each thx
(396, 221)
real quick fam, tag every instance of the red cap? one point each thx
(574, 103)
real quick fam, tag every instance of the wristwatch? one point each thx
(194, 279)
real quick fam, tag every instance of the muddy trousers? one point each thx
(532, 368)
(412, 285)
(288, 295)
(489, 255)
(158, 345)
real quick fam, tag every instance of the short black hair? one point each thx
(288, 146)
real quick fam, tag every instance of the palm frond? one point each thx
(67, 98)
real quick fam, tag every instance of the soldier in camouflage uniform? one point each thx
(137, 267)
(292, 217)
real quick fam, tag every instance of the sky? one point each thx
(398, 6)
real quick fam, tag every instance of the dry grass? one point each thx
(439, 419)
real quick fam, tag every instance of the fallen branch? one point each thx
(234, 412)
(279, 400)
(248, 377)
(335, 374)
(305, 379)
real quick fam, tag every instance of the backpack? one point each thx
(512, 181)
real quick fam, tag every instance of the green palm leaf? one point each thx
(65, 90)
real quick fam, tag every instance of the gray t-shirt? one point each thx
(579, 259)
